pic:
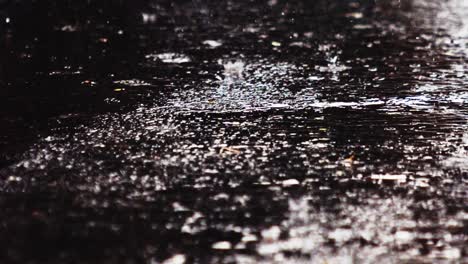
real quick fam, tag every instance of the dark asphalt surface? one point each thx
(234, 131)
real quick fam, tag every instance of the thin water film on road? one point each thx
(234, 131)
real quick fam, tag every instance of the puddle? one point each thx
(276, 132)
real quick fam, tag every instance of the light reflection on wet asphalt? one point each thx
(264, 132)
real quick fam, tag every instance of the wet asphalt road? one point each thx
(234, 131)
